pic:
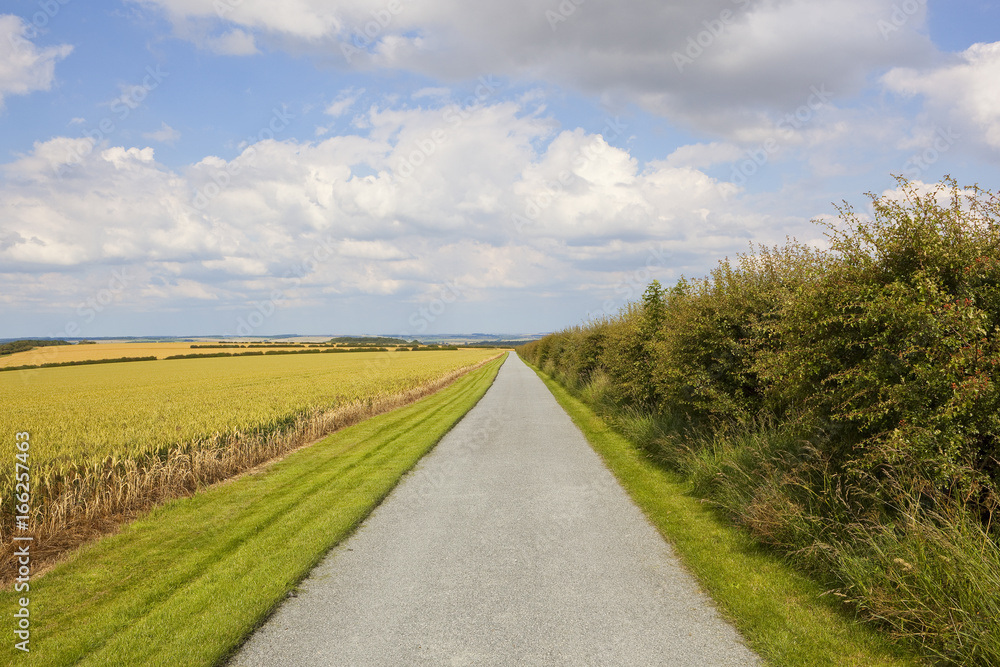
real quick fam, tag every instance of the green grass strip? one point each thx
(781, 613)
(189, 582)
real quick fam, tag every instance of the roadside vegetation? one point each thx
(782, 614)
(840, 404)
(110, 441)
(188, 583)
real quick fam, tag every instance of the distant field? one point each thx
(77, 413)
(186, 584)
(108, 439)
(63, 353)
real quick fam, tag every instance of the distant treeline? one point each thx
(27, 344)
(341, 341)
(370, 340)
(497, 343)
(85, 362)
(273, 352)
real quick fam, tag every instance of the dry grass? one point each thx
(74, 505)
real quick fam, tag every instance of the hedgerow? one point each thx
(841, 403)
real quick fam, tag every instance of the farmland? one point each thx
(111, 438)
(186, 583)
(62, 354)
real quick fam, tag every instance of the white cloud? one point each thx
(710, 64)
(704, 155)
(165, 135)
(963, 91)
(344, 102)
(233, 43)
(435, 92)
(487, 196)
(23, 66)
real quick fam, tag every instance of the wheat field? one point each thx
(109, 439)
(58, 354)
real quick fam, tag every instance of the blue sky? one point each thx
(216, 167)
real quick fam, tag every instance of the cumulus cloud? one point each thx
(164, 135)
(345, 100)
(962, 90)
(233, 43)
(23, 66)
(488, 196)
(710, 64)
(704, 155)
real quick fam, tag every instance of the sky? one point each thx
(252, 168)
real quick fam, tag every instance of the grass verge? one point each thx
(782, 614)
(188, 583)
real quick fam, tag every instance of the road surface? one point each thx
(509, 544)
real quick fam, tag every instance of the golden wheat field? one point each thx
(111, 440)
(58, 354)
(136, 408)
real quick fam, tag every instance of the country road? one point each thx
(509, 544)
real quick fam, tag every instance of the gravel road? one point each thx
(509, 544)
